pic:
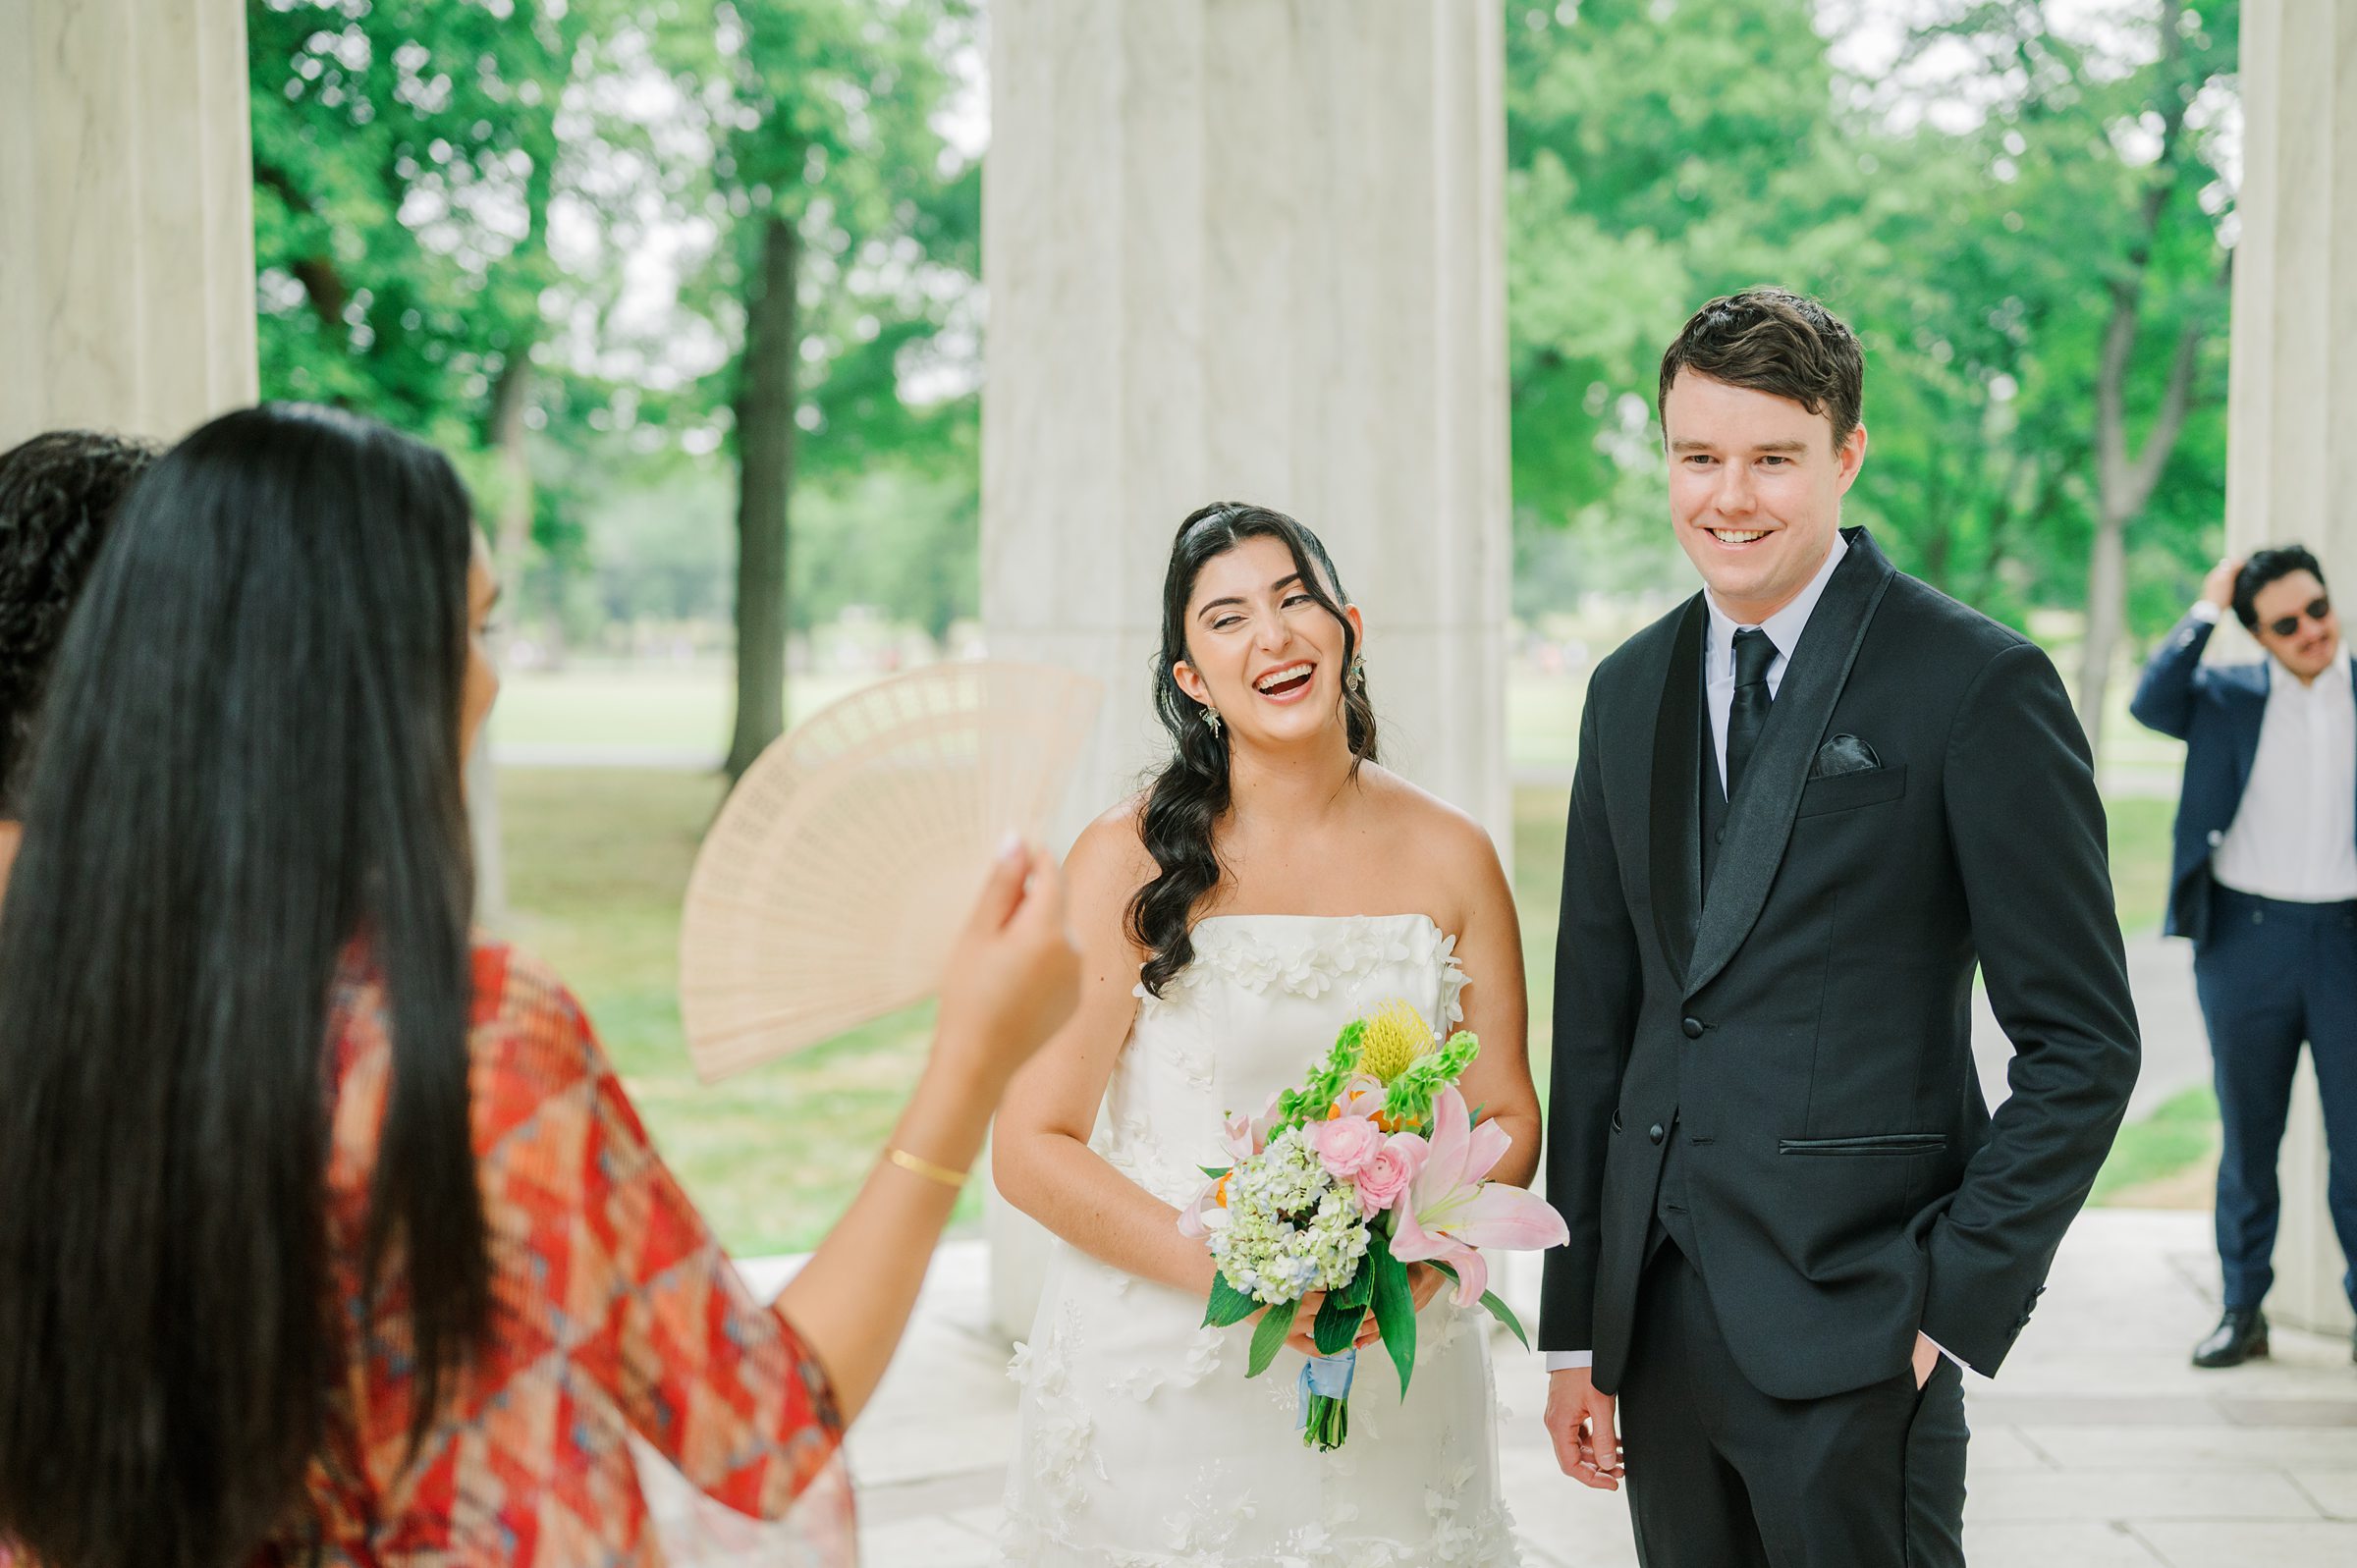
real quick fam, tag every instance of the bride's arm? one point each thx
(1039, 1147)
(1498, 1010)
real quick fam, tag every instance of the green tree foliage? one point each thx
(850, 235)
(403, 154)
(1980, 211)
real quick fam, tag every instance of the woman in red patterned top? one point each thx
(329, 1233)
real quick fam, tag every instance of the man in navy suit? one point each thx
(2264, 882)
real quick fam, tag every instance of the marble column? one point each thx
(2291, 471)
(126, 215)
(1250, 250)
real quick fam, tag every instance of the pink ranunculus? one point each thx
(1449, 1213)
(1345, 1144)
(1386, 1176)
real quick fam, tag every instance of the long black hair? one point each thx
(249, 758)
(1189, 795)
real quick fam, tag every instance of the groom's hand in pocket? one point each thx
(1580, 1422)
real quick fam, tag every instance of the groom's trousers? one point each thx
(1722, 1475)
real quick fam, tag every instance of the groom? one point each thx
(1806, 803)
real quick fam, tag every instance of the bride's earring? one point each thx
(1358, 674)
(1211, 716)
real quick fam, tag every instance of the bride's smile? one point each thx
(1266, 649)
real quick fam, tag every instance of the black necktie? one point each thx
(1747, 715)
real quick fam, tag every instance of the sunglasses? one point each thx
(2317, 608)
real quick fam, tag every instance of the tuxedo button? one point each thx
(1655, 1132)
(1693, 1028)
(2215, 837)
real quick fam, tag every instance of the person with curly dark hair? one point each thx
(58, 495)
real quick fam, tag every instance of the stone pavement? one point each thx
(2099, 1447)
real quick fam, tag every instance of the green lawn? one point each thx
(597, 860)
(2153, 1158)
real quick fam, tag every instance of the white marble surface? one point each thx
(2290, 466)
(127, 283)
(2097, 1445)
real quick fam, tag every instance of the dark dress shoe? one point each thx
(2240, 1336)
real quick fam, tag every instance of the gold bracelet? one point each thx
(952, 1179)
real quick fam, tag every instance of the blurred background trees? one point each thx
(690, 287)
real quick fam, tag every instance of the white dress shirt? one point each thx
(1784, 629)
(2295, 836)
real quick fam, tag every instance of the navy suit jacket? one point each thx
(2216, 710)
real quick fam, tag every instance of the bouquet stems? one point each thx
(1326, 1400)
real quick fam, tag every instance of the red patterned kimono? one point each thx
(617, 1315)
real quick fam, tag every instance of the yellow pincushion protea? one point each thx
(1396, 1035)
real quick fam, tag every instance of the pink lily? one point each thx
(1449, 1213)
(1246, 1136)
(1243, 1136)
(1362, 1096)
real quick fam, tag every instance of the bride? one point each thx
(1270, 885)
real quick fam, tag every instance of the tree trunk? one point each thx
(2124, 480)
(765, 436)
(512, 529)
(2106, 612)
(512, 537)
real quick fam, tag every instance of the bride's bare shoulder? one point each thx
(1404, 809)
(1111, 853)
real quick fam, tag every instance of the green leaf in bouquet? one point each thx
(1361, 1289)
(1275, 1325)
(1395, 1307)
(1215, 1172)
(1228, 1305)
(1498, 1309)
(1338, 1324)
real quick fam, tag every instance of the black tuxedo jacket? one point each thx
(1920, 799)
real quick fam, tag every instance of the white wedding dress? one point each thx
(1141, 1443)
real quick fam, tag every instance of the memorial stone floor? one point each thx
(2097, 1447)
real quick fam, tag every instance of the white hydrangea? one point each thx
(1288, 1228)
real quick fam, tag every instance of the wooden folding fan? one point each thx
(835, 878)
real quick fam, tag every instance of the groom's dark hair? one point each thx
(1777, 341)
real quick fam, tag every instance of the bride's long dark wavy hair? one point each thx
(1189, 795)
(249, 756)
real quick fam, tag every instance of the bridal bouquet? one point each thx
(1372, 1164)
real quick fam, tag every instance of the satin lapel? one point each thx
(1673, 799)
(1759, 821)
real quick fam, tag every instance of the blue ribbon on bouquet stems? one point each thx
(1325, 1388)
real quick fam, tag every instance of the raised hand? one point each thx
(2219, 586)
(1013, 977)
